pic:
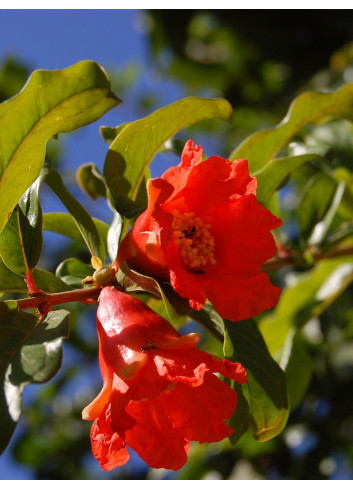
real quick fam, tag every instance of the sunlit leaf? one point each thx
(309, 296)
(310, 107)
(61, 223)
(113, 236)
(274, 173)
(137, 143)
(82, 219)
(50, 103)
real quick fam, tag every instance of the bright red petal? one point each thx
(190, 366)
(241, 296)
(154, 437)
(107, 446)
(247, 242)
(212, 182)
(200, 412)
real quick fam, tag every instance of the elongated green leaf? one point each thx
(310, 107)
(298, 368)
(82, 219)
(265, 390)
(61, 223)
(21, 239)
(30, 222)
(110, 133)
(10, 281)
(51, 102)
(263, 404)
(273, 174)
(11, 250)
(45, 281)
(48, 282)
(37, 359)
(137, 143)
(73, 271)
(15, 327)
(91, 181)
(240, 419)
(321, 229)
(312, 293)
(314, 202)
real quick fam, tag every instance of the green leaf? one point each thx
(263, 404)
(314, 201)
(309, 107)
(61, 223)
(137, 143)
(240, 419)
(132, 281)
(21, 239)
(210, 319)
(50, 103)
(83, 220)
(110, 133)
(308, 297)
(10, 281)
(73, 271)
(274, 173)
(48, 282)
(321, 228)
(37, 359)
(265, 390)
(91, 181)
(11, 250)
(45, 281)
(15, 327)
(298, 368)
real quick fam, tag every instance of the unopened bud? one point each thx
(104, 276)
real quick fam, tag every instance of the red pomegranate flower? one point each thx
(205, 231)
(159, 392)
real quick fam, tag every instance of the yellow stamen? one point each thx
(194, 240)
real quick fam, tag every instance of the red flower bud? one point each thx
(205, 231)
(159, 391)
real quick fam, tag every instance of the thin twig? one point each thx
(59, 298)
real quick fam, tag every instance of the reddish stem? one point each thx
(31, 285)
(59, 298)
(291, 260)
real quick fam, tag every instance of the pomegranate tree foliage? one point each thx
(314, 264)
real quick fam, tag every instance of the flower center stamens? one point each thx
(195, 242)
